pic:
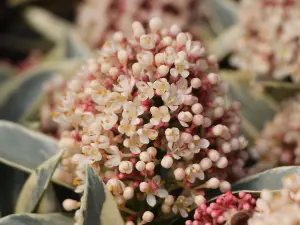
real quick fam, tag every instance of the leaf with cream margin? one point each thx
(25, 149)
(36, 219)
(97, 204)
(257, 108)
(36, 185)
(20, 93)
(270, 179)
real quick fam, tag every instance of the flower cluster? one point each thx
(223, 209)
(150, 115)
(97, 20)
(279, 141)
(279, 207)
(269, 45)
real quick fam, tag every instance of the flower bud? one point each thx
(140, 165)
(179, 174)
(225, 186)
(167, 161)
(128, 193)
(222, 163)
(169, 200)
(152, 151)
(148, 216)
(205, 164)
(196, 83)
(145, 157)
(150, 166)
(125, 167)
(199, 200)
(70, 204)
(212, 183)
(144, 186)
(165, 208)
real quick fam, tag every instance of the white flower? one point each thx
(184, 118)
(115, 186)
(147, 41)
(114, 157)
(194, 171)
(194, 48)
(114, 102)
(145, 90)
(108, 119)
(159, 114)
(93, 151)
(133, 143)
(178, 148)
(131, 111)
(172, 134)
(173, 98)
(161, 86)
(126, 128)
(181, 67)
(182, 205)
(147, 133)
(145, 58)
(169, 55)
(194, 147)
(125, 167)
(103, 142)
(125, 85)
(155, 190)
(94, 130)
(182, 85)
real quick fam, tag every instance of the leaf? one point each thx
(270, 179)
(36, 219)
(223, 45)
(36, 185)
(97, 204)
(253, 102)
(49, 202)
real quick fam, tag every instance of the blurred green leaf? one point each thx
(270, 179)
(36, 185)
(97, 204)
(36, 219)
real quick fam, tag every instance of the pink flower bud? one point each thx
(144, 187)
(196, 83)
(155, 24)
(222, 163)
(186, 137)
(140, 165)
(213, 78)
(212, 183)
(214, 155)
(225, 186)
(205, 164)
(167, 161)
(152, 151)
(197, 108)
(148, 216)
(150, 166)
(145, 157)
(128, 193)
(179, 174)
(70, 204)
(198, 120)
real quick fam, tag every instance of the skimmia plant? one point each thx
(269, 45)
(150, 115)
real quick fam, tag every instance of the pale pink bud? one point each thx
(199, 200)
(226, 147)
(225, 186)
(222, 163)
(207, 122)
(125, 167)
(148, 216)
(163, 70)
(118, 36)
(218, 130)
(167, 40)
(188, 100)
(212, 183)
(145, 157)
(159, 58)
(197, 108)
(144, 187)
(198, 120)
(140, 165)
(165, 208)
(179, 174)
(128, 193)
(169, 200)
(152, 151)
(218, 112)
(70, 204)
(155, 24)
(196, 83)
(105, 67)
(181, 38)
(174, 30)
(150, 166)
(213, 78)
(74, 85)
(212, 59)
(214, 155)
(186, 137)
(138, 29)
(113, 71)
(136, 69)
(235, 145)
(205, 164)
(167, 161)
(122, 56)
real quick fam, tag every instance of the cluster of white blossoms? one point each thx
(150, 115)
(279, 208)
(97, 20)
(278, 143)
(269, 45)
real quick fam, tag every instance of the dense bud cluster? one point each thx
(278, 143)
(222, 209)
(150, 114)
(97, 20)
(269, 44)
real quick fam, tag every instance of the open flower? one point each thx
(159, 114)
(194, 171)
(127, 128)
(115, 186)
(161, 86)
(113, 157)
(181, 68)
(125, 85)
(145, 90)
(133, 143)
(173, 98)
(131, 111)
(172, 134)
(147, 133)
(182, 205)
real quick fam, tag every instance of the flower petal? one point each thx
(203, 143)
(183, 213)
(162, 193)
(151, 200)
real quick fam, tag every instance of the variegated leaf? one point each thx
(36, 219)
(36, 185)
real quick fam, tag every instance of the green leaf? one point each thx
(36, 219)
(97, 204)
(253, 102)
(36, 185)
(270, 179)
